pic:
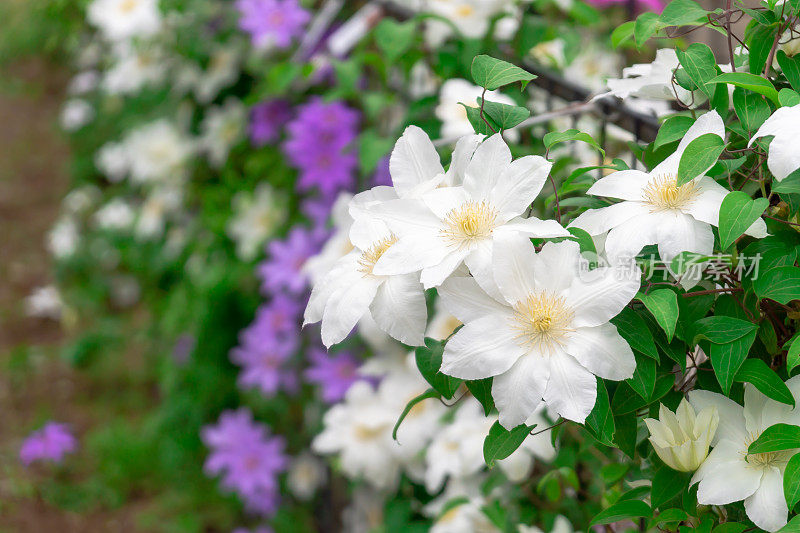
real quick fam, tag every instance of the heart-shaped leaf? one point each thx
(737, 213)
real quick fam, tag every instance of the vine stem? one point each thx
(712, 291)
(483, 117)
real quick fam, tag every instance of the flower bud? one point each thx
(681, 439)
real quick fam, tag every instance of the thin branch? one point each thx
(712, 291)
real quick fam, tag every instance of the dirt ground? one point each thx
(35, 384)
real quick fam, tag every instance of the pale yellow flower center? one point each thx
(469, 223)
(465, 11)
(364, 433)
(542, 320)
(663, 193)
(370, 256)
(128, 5)
(763, 460)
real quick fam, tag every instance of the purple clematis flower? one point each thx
(49, 443)
(272, 22)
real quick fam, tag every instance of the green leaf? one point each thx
(480, 124)
(790, 67)
(788, 97)
(757, 372)
(622, 33)
(737, 213)
(781, 284)
(792, 527)
(624, 510)
(430, 393)
(721, 329)
(791, 481)
(789, 185)
(759, 44)
(751, 108)
(683, 13)
(757, 84)
(500, 442)
(504, 115)
(663, 304)
(481, 389)
(667, 484)
(645, 26)
(611, 473)
(673, 129)
(395, 38)
(492, 73)
(553, 138)
(584, 241)
(600, 421)
(699, 156)
(699, 63)
(793, 355)
(730, 527)
(643, 380)
(668, 516)
(429, 361)
(634, 329)
(776, 438)
(727, 359)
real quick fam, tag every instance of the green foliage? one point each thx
(429, 361)
(491, 73)
(501, 442)
(700, 155)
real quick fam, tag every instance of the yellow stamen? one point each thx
(469, 223)
(663, 193)
(370, 257)
(542, 320)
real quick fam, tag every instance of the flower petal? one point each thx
(462, 154)
(482, 348)
(464, 299)
(767, 506)
(625, 185)
(414, 161)
(345, 307)
(571, 390)
(598, 221)
(557, 265)
(519, 391)
(678, 233)
(513, 259)
(519, 185)
(399, 309)
(602, 351)
(625, 241)
(731, 415)
(435, 275)
(709, 122)
(725, 477)
(534, 228)
(488, 163)
(705, 206)
(600, 294)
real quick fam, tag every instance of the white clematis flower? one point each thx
(652, 81)
(454, 225)
(730, 474)
(655, 210)
(519, 464)
(353, 288)
(561, 525)
(125, 19)
(548, 334)
(359, 430)
(465, 517)
(784, 125)
(681, 439)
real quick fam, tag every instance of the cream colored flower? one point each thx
(681, 439)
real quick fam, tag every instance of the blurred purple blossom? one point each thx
(267, 119)
(282, 270)
(382, 175)
(49, 443)
(334, 373)
(248, 459)
(319, 146)
(272, 22)
(317, 209)
(262, 356)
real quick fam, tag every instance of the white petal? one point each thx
(368, 230)
(602, 351)
(345, 307)
(767, 507)
(757, 229)
(519, 391)
(534, 228)
(516, 466)
(625, 185)
(678, 233)
(598, 221)
(465, 300)
(435, 275)
(557, 265)
(731, 415)
(405, 216)
(361, 203)
(462, 154)
(513, 259)
(414, 160)
(344, 271)
(571, 390)
(625, 241)
(479, 262)
(488, 163)
(600, 294)
(705, 206)
(519, 185)
(483, 348)
(443, 200)
(783, 157)
(411, 253)
(710, 122)
(399, 309)
(725, 477)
